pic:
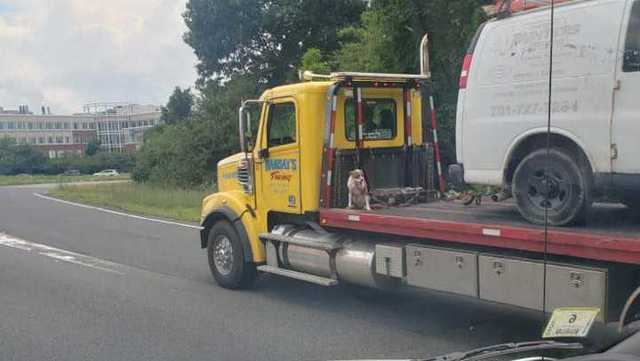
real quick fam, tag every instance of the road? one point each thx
(81, 284)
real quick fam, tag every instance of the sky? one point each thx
(66, 53)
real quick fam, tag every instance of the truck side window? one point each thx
(632, 43)
(380, 119)
(281, 127)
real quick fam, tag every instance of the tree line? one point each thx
(27, 159)
(246, 46)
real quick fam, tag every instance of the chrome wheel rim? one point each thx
(223, 255)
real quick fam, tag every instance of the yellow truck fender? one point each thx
(223, 206)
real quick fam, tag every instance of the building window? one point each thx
(75, 125)
(58, 125)
(1, 125)
(11, 125)
(29, 125)
(20, 125)
(84, 125)
(41, 125)
(66, 140)
(50, 140)
(32, 140)
(59, 140)
(66, 125)
(41, 140)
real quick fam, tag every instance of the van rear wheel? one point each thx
(552, 186)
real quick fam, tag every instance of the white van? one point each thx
(501, 120)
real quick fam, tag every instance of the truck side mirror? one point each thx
(244, 126)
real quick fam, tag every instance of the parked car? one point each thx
(501, 121)
(71, 172)
(107, 173)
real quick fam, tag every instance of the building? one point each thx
(119, 127)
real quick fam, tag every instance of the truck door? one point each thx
(626, 116)
(280, 157)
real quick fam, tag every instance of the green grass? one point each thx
(10, 180)
(178, 204)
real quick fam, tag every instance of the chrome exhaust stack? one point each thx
(424, 56)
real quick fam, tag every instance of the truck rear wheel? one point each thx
(554, 181)
(226, 258)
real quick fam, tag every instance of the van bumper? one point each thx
(455, 173)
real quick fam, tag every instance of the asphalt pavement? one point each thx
(81, 284)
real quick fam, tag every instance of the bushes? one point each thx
(17, 159)
(122, 162)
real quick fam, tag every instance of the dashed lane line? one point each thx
(60, 254)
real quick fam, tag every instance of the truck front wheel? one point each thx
(226, 258)
(553, 181)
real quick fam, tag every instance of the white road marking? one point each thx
(59, 254)
(116, 212)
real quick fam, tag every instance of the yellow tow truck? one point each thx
(309, 136)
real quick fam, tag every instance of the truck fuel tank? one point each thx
(354, 261)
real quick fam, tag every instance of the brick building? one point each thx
(119, 127)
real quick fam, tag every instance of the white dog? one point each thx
(358, 190)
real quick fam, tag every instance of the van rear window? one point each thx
(632, 42)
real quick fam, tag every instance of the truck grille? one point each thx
(244, 175)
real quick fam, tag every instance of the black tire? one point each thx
(231, 270)
(565, 191)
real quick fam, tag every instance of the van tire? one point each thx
(566, 189)
(226, 258)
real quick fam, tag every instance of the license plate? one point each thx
(570, 322)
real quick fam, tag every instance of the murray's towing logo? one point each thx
(278, 168)
(280, 164)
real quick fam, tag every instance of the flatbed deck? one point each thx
(611, 233)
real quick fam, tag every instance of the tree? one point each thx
(388, 41)
(186, 154)
(265, 38)
(179, 107)
(313, 61)
(15, 159)
(92, 147)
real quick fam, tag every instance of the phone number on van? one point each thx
(563, 106)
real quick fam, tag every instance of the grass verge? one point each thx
(11, 180)
(178, 204)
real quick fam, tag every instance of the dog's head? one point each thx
(357, 175)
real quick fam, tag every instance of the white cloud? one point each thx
(65, 53)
